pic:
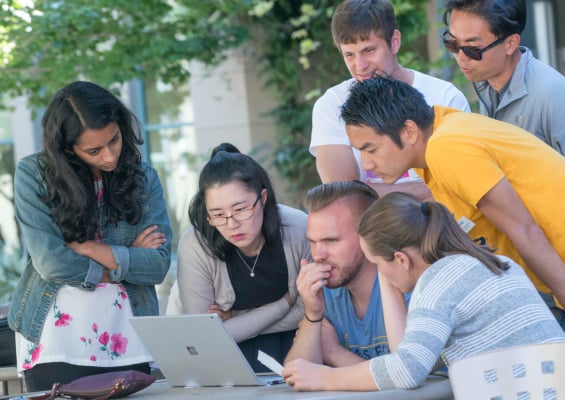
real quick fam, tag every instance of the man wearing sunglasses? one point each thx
(512, 85)
(366, 34)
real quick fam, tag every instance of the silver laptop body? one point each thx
(197, 350)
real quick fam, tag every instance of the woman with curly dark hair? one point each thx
(95, 225)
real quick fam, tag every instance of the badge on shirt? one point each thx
(466, 224)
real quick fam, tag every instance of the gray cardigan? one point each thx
(203, 280)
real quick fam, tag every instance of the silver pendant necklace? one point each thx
(251, 269)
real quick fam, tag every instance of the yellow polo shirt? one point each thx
(468, 154)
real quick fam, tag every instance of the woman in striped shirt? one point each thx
(465, 300)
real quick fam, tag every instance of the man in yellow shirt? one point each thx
(505, 187)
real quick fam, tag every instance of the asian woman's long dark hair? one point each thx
(71, 194)
(227, 165)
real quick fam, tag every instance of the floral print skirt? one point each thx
(89, 328)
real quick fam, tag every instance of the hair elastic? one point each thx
(313, 320)
(425, 207)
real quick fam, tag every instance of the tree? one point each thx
(300, 61)
(45, 44)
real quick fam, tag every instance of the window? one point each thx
(166, 114)
(10, 249)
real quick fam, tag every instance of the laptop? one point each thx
(197, 350)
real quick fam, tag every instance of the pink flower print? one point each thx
(119, 344)
(87, 342)
(32, 356)
(122, 291)
(95, 327)
(122, 294)
(35, 353)
(103, 339)
(63, 319)
(93, 358)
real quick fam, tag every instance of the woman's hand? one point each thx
(215, 309)
(303, 375)
(150, 239)
(98, 252)
(80, 248)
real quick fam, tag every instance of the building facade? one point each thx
(223, 104)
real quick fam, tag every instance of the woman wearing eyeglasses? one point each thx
(241, 256)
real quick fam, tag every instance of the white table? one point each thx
(435, 388)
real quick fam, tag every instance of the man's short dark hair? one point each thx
(385, 104)
(504, 17)
(354, 20)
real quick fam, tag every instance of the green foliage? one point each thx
(114, 41)
(110, 41)
(11, 267)
(300, 61)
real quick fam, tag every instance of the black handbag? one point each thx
(109, 385)
(7, 344)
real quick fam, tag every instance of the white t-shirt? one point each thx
(328, 128)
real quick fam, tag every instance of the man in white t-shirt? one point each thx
(366, 34)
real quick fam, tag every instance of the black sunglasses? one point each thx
(472, 52)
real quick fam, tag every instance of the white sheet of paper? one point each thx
(269, 362)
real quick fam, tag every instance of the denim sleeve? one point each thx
(42, 238)
(143, 266)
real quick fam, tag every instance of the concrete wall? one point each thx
(230, 103)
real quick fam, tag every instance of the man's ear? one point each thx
(395, 41)
(512, 43)
(410, 132)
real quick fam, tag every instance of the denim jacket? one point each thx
(52, 264)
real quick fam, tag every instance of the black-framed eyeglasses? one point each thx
(473, 52)
(240, 215)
